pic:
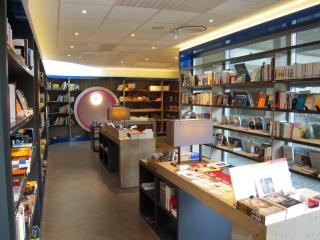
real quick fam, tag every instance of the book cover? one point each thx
(301, 99)
(242, 71)
(262, 100)
(262, 209)
(294, 207)
(309, 102)
(316, 105)
(12, 102)
(20, 152)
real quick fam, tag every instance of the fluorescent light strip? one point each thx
(264, 15)
(58, 68)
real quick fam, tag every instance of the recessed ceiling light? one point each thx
(122, 61)
(76, 34)
(133, 35)
(147, 59)
(176, 58)
(190, 29)
(153, 47)
(69, 55)
(176, 37)
(84, 11)
(71, 46)
(210, 20)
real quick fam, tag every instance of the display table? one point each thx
(197, 207)
(123, 154)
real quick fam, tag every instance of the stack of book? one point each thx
(168, 198)
(295, 71)
(18, 104)
(202, 98)
(281, 129)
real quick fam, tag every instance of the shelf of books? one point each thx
(154, 98)
(22, 128)
(263, 99)
(158, 203)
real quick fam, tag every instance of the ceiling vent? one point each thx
(99, 48)
(190, 29)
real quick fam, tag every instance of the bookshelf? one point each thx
(160, 105)
(26, 78)
(159, 218)
(272, 52)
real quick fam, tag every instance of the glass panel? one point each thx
(258, 47)
(309, 35)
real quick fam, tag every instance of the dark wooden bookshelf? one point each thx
(20, 123)
(164, 224)
(16, 64)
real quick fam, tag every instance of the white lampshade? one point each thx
(186, 132)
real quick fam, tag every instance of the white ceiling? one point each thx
(105, 31)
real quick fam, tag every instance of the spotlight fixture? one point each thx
(76, 34)
(71, 46)
(133, 35)
(210, 20)
(69, 55)
(122, 61)
(147, 59)
(84, 11)
(176, 37)
(153, 47)
(176, 58)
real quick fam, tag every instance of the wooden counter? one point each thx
(123, 154)
(304, 227)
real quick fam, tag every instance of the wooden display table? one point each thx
(123, 154)
(304, 227)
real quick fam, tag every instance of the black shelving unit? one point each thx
(157, 216)
(14, 70)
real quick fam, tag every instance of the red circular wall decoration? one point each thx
(92, 104)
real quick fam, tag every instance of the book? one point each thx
(242, 71)
(293, 207)
(22, 100)
(316, 105)
(262, 210)
(20, 152)
(288, 153)
(12, 102)
(301, 99)
(262, 100)
(234, 144)
(309, 104)
(23, 138)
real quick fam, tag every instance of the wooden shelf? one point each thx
(56, 102)
(299, 172)
(58, 113)
(19, 123)
(52, 126)
(260, 133)
(145, 110)
(238, 153)
(253, 108)
(149, 101)
(57, 91)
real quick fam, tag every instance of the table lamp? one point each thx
(118, 114)
(184, 132)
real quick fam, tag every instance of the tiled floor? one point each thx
(83, 200)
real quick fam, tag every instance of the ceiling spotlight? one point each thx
(122, 62)
(84, 11)
(147, 59)
(176, 58)
(71, 46)
(176, 37)
(69, 55)
(210, 20)
(76, 34)
(153, 47)
(133, 35)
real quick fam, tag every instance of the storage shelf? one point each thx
(166, 211)
(149, 193)
(260, 133)
(254, 56)
(145, 110)
(57, 91)
(58, 113)
(304, 174)
(56, 102)
(238, 153)
(254, 108)
(149, 101)
(17, 65)
(19, 123)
